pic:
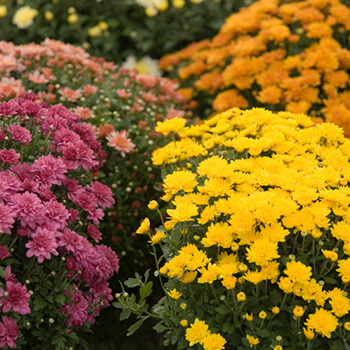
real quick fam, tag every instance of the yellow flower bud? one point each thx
(48, 16)
(178, 3)
(144, 227)
(347, 326)
(174, 294)
(262, 315)
(71, 10)
(309, 333)
(162, 5)
(151, 11)
(103, 25)
(298, 311)
(94, 31)
(73, 18)
(184, 323)
(241, 296)
(153, 205)
(275, 310)
(183, 306)
(3, 11)
(249, 317)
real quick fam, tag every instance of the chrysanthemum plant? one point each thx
(115, 29)
(280, 55)
(255, 249)
(122, 105)
(54, 272)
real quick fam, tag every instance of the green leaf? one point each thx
(60, 299)
(264, 333)
(59, 342)
(39, 304)
(159, 327)
(146, 290)
(133, 328)
(132, 282)
(228, 327)
(125, 314)
(222, 309)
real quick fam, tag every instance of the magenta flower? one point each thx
(102, 193)
(6, 218)
(9, 185)
(20, 134)
(28, 208)
(17, 298)
(96, 215)
(43, 244)
(9, 156)
(77, 310)
(8, 332)
(49, 170)
(71, 241)
(108, 262)
(57, 213)
(85, 200)
(8, 108)
(94, 232)
(3, 252)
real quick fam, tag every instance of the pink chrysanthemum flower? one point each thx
(64, 137)
(6, 218)
(96, 215)
(71, 241)
(49, 170)
(3, 252)
(93, 232)
(20, 134)
(57, 213)
(102, 193)
(120, 141)
(77, 310)
(16, 299)
(8, 108)
(8, 332)
(28, 208)
(9, 156)
(42, 245)
(78, 154)
(108, 263)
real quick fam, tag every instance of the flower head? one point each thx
(120, 141)
(23, 17)
(322, 322)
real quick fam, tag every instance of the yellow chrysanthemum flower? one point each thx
(214, 342)
(197, 332)
(322, 322)
(171, 125)
(174, 294)
(157, 237)
(298, 272)
(144, 227)
(252, 340)
(220, 234)
(339, 302)
(262, 251)
(24, 16)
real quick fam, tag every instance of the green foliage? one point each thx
(129, 30)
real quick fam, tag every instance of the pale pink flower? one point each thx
(20, 134)
(6, 218)
(16, 299)
(123, 94)
(120, 141)
(28, 208)
(8, 332)
(83, 112)
(70, 94)
(90, 89)
(38, 78)
(42, 245)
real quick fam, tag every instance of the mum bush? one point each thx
(123, 107)
(280, 55)
(255, 248)
(54, 272)
(115, 29)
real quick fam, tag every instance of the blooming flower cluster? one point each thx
(256, 242)
(291, 56)
(50, 208)
(115, 29)
(122, 105)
